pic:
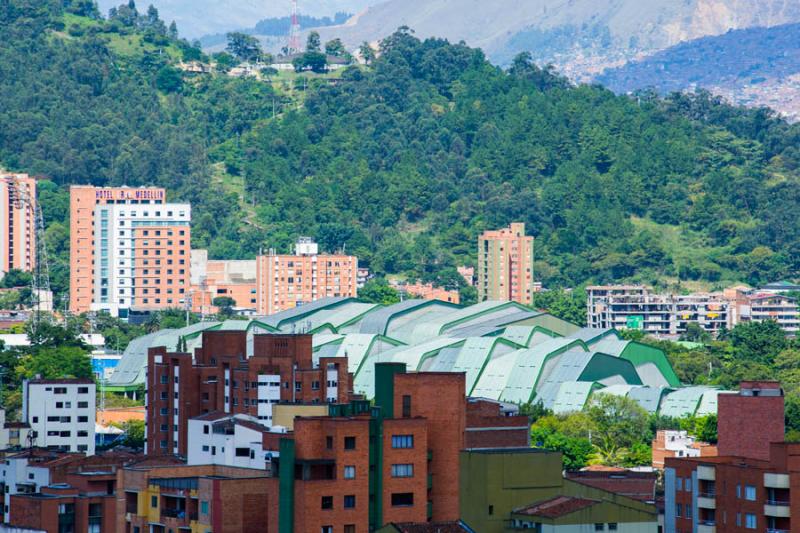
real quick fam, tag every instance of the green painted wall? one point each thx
(286, 486)
(503, 480)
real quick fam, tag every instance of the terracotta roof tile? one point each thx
(556, 507)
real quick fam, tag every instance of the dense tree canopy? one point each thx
(403, 163)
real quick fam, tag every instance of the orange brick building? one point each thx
(427, 291)
(17, 222)
(288, 281)
(505, 265)
(129, 250)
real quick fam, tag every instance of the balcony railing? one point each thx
(777, 530)
(174, 513)
(778, 502)
(711, 494)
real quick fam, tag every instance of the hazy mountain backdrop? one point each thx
(196, 18)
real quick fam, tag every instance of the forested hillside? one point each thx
(403, 163)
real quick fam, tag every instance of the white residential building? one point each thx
(12, 434)
(19, 476)
(231, 440)
(61, 413)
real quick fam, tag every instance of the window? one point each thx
(83, 390)
(750, 521)
(678, 510)
(350, 501)
(612, 526)
(349, 443)
(154, 502)
(204, 507)
(402, 441)
(83, 405)
(750, 493)
(402, 499)
(83, 419)
(60, 390)
(406, 406)
(599, 527)
(679, 483)
(327, 529)
(349, 472)
(327, 502)
(403, 470)
(350, 528)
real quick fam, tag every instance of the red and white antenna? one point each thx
(293, 45)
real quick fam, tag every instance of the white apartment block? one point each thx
(235, 440)
(13, 435)
(636, 307)
(17, 476)
(142, 257)
(61, 413)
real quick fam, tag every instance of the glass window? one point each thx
(349, 443)
(402, 499)
(349, 472)
(402, 441)
(350, 501)
(750, 493)
(750, 521)
(327, 502)
(204, 507)
(403, 470)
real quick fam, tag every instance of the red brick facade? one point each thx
(488, 427)
(749, 421)
(200, 387)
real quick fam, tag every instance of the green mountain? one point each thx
(403, 163)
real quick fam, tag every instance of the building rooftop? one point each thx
(556, 507)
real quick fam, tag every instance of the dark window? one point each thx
(350, 528)
(327, 502)
(153, 501)
(242, 452)
(406, 406)
(329, 442)
(83, 390)
(402, 499)
(350, 501)
(349, 443)
(205, 429)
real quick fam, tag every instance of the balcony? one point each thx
(706, 473)
(777, 509)
(776, 481)
(707, 500)
(707, 527)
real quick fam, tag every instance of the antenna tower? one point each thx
(293, 45)
(40, 282)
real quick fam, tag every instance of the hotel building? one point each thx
(505, 265)
(129, 250)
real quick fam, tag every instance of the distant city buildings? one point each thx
(428, 291)
(17, 222)
(669, 315)
(129, 250)
(60, 413)
(13, 434)
(505, 265)
(674, 443)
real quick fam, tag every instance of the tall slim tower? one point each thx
(293, 46)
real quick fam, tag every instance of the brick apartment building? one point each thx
(751, 484)
(17, 222)
(221, 378)
(55, 491)
(505, 265)
(288, 281)
(129, 250)
(223, 499)
(273, 282)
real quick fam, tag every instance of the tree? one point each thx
(695, 333)
(569, 306)
(244, 47)
(378, 291)
(225, 305)
(335, 47)
(169, 79)
(53, 362)
(367, 53)
(620, 423)
(313, 44)
(758, 341)
(134, 434)
(314, 61)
